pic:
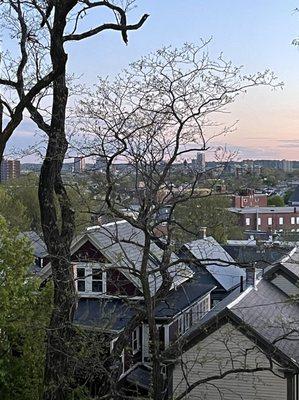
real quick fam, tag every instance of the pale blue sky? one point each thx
(253, 33)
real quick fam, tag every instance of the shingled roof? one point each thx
(263, 312)
(217, 261)
(122, 244)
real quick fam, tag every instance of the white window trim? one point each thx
(293, 220)
(88, 267)
(247, 221)
(280, 220)
(270, 221)
(259, 221)
(137, 331)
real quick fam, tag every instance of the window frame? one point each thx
(136, 339)
(89, 278)
(270, 221)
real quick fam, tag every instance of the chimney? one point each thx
(251, 276)
(202, 234)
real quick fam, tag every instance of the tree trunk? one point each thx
(58, 235)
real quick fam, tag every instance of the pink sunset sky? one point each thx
(257, 34)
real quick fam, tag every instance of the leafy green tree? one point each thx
(24, 190)
(276, 201)
(13, 211)
(210, 212)
(24, 311)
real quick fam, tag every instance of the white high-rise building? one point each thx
(200, 161)
(79, 164)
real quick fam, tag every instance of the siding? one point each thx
(223, 350)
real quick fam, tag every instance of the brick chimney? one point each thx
(202, 234)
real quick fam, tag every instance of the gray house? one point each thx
(247, 347)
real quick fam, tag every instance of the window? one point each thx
(280, 220)
(247, 221)
(181, 324)
(270, 221)
(97, 280)
(200, 309)
(136, 340)
(293, 220)
(81, 279)
(259, 222)
(90, 278)
(187, 320)
(297, 220)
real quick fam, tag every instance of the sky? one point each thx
(257, 34)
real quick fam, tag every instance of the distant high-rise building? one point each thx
(200, 161)
(287, 165)
(100, 164)
(10, 169)
(79, 164)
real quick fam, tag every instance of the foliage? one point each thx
(23, 317)
(287, 196)
(210, 212)
(12, 209)
(24, 190)
(276, 201)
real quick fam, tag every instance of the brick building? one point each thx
(249, 198)
(10, 169)
(268, 219)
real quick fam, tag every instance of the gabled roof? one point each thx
(288, 264)
(264, 313)
(217, 261)
(269, 312)
(122, 244)
(261, 255)
(39, 246)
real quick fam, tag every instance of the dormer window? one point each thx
(97, 280)
(90, 278)
(81, 279)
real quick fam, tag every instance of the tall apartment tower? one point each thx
(79, 164)
(200, 161)
(10, 169)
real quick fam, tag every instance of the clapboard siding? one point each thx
(223, 350)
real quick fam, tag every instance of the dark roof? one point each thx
(261, 255)
(182, 297)
(140, 376)
(217, 261)
(289, 264)
(39, 246)
(104, 313)
(294, 198)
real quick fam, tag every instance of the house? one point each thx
(213, 265)
(39, 250)
(247, 347)
(107, 261)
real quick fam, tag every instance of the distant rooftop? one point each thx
(264, 210)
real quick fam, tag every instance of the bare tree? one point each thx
(41, 30)
(162, 108)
